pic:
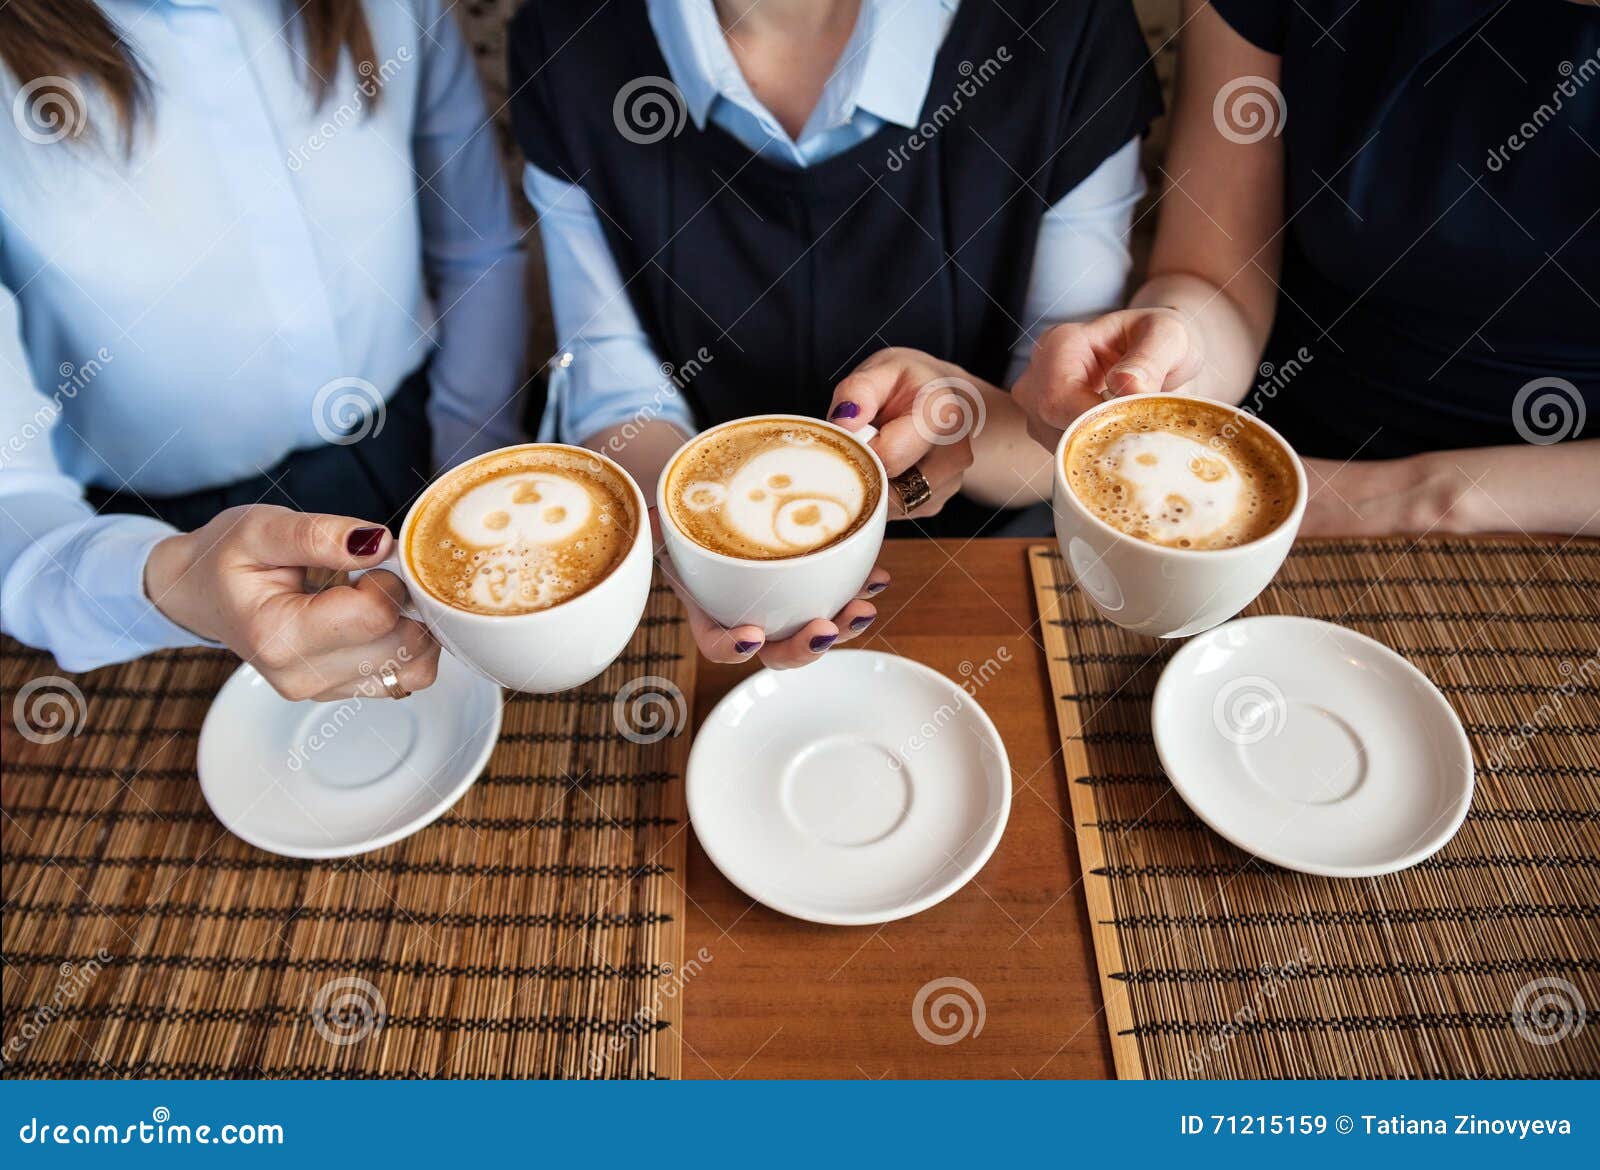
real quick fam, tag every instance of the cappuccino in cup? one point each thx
(770, 489)
(1181, 473)
(522, 530)
(773, 521)
(529, 564)
(1173, 512)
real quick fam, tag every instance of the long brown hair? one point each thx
(44, 43)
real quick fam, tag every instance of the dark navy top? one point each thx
(1443, 240)
(789, 277)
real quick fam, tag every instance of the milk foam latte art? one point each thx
(771, 489)
(1181, 474)
(521, 532)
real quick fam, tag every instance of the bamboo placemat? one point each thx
(533, 931)
(1483, 961)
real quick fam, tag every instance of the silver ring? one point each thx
(913, 489)
(391, 682)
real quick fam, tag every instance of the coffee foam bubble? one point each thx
(770, 490)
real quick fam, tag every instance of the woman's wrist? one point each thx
(167, 578)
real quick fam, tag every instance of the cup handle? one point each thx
(867, 433)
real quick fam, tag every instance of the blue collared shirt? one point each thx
(168, 318)
(608, 373)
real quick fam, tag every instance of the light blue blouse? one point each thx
(168, 318)
(608, 374)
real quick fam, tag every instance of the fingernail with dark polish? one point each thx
(862, 622)
(845, 410)
(877, 587)
(363, 542)
(822, 641)
(746, 647)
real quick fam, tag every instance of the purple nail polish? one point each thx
(877, 587)
(845, 410)
(364, 542)
(862, 622)
(746, 647)
(822, 641)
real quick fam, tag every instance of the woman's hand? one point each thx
(241, 580)
(1131, 351)
(739, 644)
(926, 411)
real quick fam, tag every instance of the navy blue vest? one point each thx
(764, 285)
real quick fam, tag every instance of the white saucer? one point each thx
(858, 789)
(334, 779)
(1312, 746)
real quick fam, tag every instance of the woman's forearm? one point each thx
(642, 448)
(1553, 488)
(1009, 470)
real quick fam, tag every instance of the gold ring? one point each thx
(913, 489)
(391, 682)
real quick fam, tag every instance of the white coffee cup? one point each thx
(551, 649)
(779, 596)
(1160, 591)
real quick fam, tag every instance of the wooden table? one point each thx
(783, 998)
